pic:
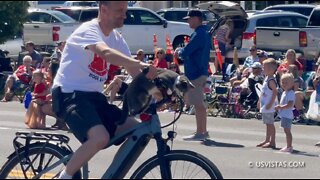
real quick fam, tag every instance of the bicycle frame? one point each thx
(133, 147)
(138, 138)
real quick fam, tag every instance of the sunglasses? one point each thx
(252, 49)
(159, 53)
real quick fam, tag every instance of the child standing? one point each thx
(267, 102)
(35, 119)
(285, 108)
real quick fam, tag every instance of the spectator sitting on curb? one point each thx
(252, 58)
(22, 75)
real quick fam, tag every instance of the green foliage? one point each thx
(12, 16)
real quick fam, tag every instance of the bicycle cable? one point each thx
(181, 104)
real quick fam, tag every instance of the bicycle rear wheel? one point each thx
(38, 159)
(183, 165)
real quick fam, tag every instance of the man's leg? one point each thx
(196, 97)
(98, 138)
(201, 117)
(127, 125)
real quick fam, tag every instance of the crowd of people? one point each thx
(36, 73)
(284, 91)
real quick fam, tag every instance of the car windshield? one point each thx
(63, 17)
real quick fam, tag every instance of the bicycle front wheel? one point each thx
(182, 165)
(39, 157)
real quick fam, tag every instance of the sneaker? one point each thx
(318, 144)
(197, 137)
(286, 149)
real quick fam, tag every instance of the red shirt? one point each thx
(160, 63)
(22, 75)
(286, 65)
(38, 89)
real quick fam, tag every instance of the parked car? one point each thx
(80, 14)
(305, 40)
(304, 9)
(232, 11)
(36, 19)
(139, 28)
(244, 29)
(49, 5)
(177, 14)
(46, 27)
(80, 3)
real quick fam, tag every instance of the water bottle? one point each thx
(27, 99)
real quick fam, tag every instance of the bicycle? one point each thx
(44, 155)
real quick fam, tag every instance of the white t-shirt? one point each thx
(81, 69)
(285, 98)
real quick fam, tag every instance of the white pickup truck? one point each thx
(304, 40)
(46, 27)
(138, 30)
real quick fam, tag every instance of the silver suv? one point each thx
(304, 9)
(177, 14)
(244, 27)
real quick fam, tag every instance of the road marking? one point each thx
(7, 128)
(18, 173)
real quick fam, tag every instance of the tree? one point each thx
(12, 16)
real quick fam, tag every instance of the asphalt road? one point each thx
(231, 147)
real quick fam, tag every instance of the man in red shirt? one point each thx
(22, 75)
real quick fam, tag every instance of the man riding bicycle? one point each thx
(83, 70)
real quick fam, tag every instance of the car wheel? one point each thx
(178, 42)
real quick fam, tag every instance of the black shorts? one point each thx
(123, 88)
(84, 110)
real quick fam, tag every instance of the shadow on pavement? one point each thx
(210, 142)
(301, 153)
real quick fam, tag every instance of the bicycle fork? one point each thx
(163, 149)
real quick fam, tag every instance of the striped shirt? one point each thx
(221, 34)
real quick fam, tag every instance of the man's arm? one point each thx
(117, 58)
(193, 45)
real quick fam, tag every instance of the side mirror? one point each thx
(165, 23)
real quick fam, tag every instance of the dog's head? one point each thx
(183, 84)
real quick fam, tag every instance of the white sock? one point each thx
(64, 175)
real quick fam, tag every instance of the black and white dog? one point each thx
(139, 93)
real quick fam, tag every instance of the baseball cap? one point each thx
(263, 54)
(256, 65)
(194, 13)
